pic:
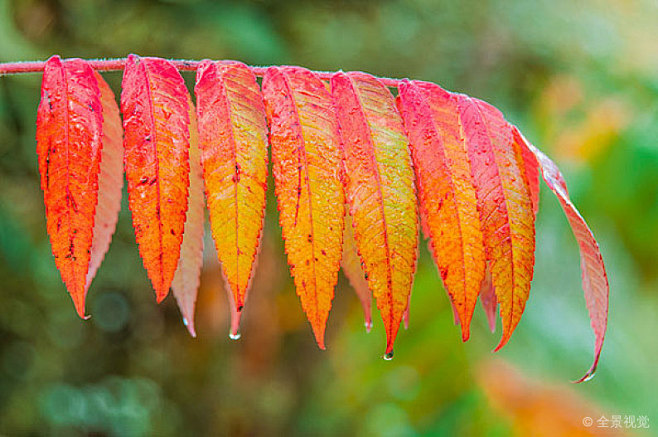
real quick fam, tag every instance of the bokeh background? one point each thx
(579, 78)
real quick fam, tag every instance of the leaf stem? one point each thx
(118, 64)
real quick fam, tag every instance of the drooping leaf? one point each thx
(595, 279)
(505, 206)
(69, 143)
(306, 161)
(110, 179)
(154, 103)
(380, 191)
(185, 284)
(351, 265)
(530, 167)
(233, 140)
(446, 192)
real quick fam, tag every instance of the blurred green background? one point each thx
(579, 78)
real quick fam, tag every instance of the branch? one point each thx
(118, 64)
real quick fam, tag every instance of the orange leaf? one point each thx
(69, 142)
(185, 284)
(505, 206)
(380, 191)
(306, 161)
(446, 192)
(351, 265)
(595, 279)
(110, 179)
(154, 103)
(233, 140)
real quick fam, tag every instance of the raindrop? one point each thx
(389, 356)
(185, 322)
(588, 377)
(235, 336)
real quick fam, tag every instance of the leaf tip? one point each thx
(160, 295)
(588, 376)
(236, 316)
(79, 303)
(503, 340)
(592, 370)
(319, 336)
(466, 334)
(189, 324)
(491, 320)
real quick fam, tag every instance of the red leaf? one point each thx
(69, 135)
(154, 103)
(233, 140)
(505, 206)
(594, 276)
(380, 191)
(446, 192)
(306, 164)
(185, 284)
(110, 179)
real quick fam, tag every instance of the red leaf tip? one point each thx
(79, 302)
(589, 375)
(161, 295)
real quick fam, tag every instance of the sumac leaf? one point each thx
(154, 103)
(110, 179)
(69, 143)
(505, 206)
(306, 162)
(233, 140)
(380, 191)
(185, 284)
(446, 192)
(594, 277)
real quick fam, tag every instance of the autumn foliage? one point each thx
(344, 150)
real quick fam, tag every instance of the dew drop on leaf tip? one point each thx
(389, 356)
(368, 326)
(234, 336)
(185, 322)
(588, 377)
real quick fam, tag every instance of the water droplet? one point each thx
(185, 322)
(235, 336)
(368, 326)
(589, 377)
(389, 356)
